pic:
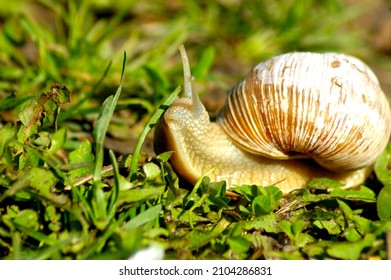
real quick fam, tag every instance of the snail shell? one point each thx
(328, 107)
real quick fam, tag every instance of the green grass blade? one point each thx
(114, 194)
(147, 216)
(102, 125)
(153, 121)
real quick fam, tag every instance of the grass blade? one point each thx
(147, 216)
(102, 125)
(114, 194)
(153, 121)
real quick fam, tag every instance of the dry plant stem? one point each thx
(86, 178)
(256, 255)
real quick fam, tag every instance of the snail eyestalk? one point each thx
(186, 71)
(189, 84)
(198, 107)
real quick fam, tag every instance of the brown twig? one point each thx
(80, 181)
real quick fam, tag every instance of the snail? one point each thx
(292, 118)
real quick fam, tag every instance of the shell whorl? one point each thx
(329, 107)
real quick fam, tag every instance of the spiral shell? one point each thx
(329, 107)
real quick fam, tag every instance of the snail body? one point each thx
(286, 114)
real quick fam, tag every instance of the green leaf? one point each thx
(298, 227)
(317, 250)
(196, 239)
(266, 202)
(248, 191)
(309, 197)
(323, 184)
(262, 205)
(345, 209)
(295, 232)
(41, 111)
(351, 234)
(151, 171)
(112, 204)
(286, 227)
(27, 218)
(153, 121)
(216, 195)
(61, 94)
(384, 203)
(7, 134)
(40, 179)
(81, 155)
(331, 226)
(57, 140)
(218, 189)
(319, 213)
(131, 239)
(164, 156)
(29, 113)
(303, 239)
(238, 244)
(275, 192)
(102, 123)
(143, 218)
(362, 193)
(124, 183)
(53, 218)
(36, 234)
(350, 250)
(42, 140)
(362, 224)
(135, 195)
(266, 223)
(55, 246)
(99, 134)
(243, 209)
(220, 202)
(204, 186)
(383, 166)
(30, 157)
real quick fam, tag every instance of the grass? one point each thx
(82, 83)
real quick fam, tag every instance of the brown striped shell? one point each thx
(329, 107)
